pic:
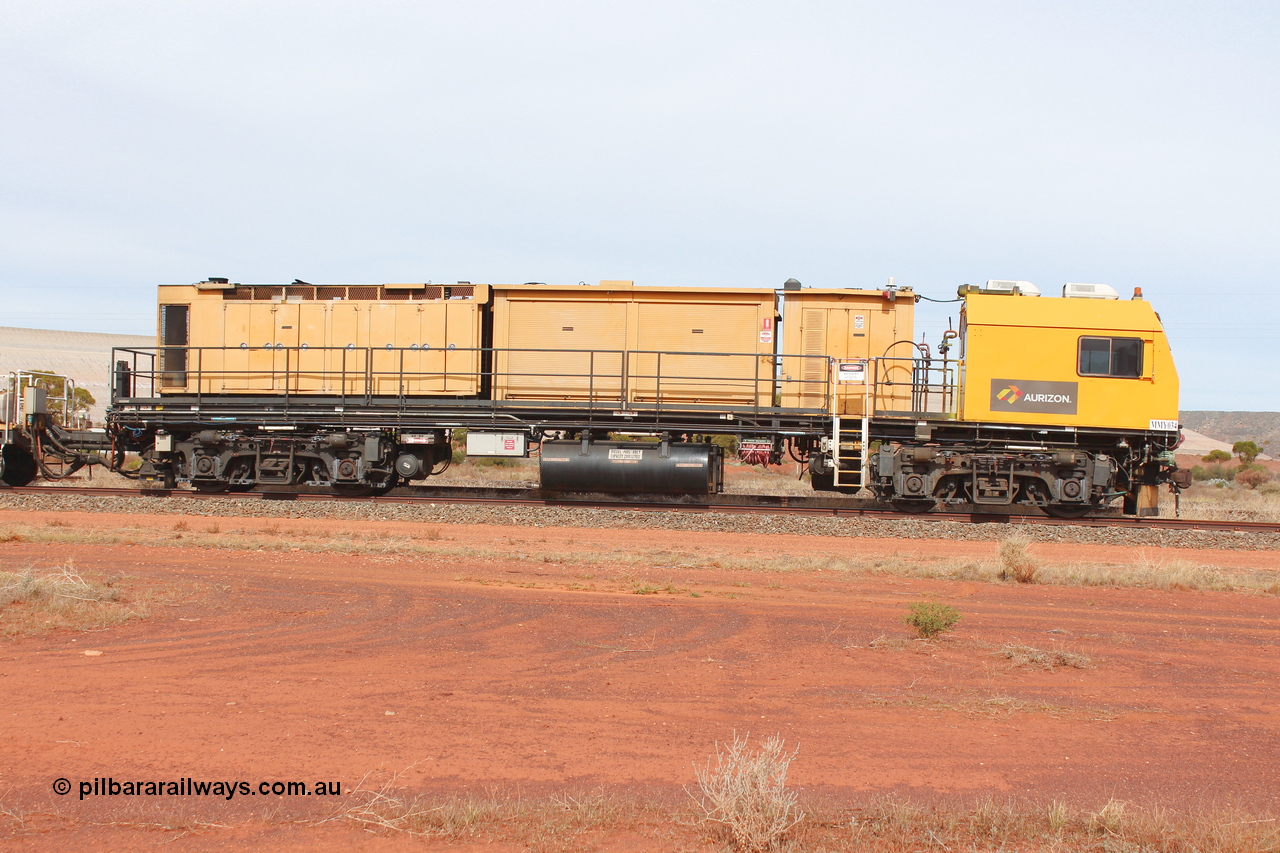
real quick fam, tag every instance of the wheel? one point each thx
(914, 507)
(823, 482)
(352, 490)
(1068, 510)
(381, 486)
(19, 467)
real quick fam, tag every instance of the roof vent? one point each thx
(1012, 288)
(215, 283)
(1075, 290)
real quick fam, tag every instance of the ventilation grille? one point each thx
(364, 292)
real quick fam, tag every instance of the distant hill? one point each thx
(1237, 426)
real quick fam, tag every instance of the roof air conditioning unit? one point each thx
(1012, 288)
(1073, 290)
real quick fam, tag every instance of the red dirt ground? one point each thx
(492, 674)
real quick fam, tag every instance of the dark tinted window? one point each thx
(1095, 356)
(1111, 357)
(174, 334)
(1126, 357)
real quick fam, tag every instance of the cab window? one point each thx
(1111, 357)
(174, 334)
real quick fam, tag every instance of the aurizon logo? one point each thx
(1011, 394)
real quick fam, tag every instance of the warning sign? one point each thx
(766, 330)
(851, 371)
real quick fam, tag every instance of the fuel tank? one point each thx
(632, 467)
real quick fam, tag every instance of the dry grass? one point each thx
(745, 791)
(1016, 564)
(1028, 656)
(1116, 827)
(552, 823)
(1229, 503)
(384, 810)
(879, 825)
(751, 480)
(511, 473)
(989, 707)
(603, 819)
(35, 602)
(1146, 572)
(435, 542)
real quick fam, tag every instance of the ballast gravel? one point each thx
(907, 527)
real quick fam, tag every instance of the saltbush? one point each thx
(1252, 476)
(745, 790)
(1216, 471)
(929, 618)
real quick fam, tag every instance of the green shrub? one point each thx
(1246, 450)
(495, 462)
(458, 441)
(728, 442)
(929, 618)
(1216, 456)
(1216, 471)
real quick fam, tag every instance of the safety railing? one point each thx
(60, 401)
(914, 387)
(648, 379)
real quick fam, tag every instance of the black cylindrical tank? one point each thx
(632, 467)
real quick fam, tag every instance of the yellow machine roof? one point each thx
(983, 309)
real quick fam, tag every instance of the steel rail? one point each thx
(735, 504)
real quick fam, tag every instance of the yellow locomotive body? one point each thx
(1061, 403)
(1067, 362)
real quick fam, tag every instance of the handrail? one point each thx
(661, 378)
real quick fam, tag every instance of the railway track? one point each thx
(741, 504)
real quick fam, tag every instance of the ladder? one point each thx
(848, 451)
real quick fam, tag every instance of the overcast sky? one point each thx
(683, 143)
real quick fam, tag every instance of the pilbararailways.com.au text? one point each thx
(188, 787)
